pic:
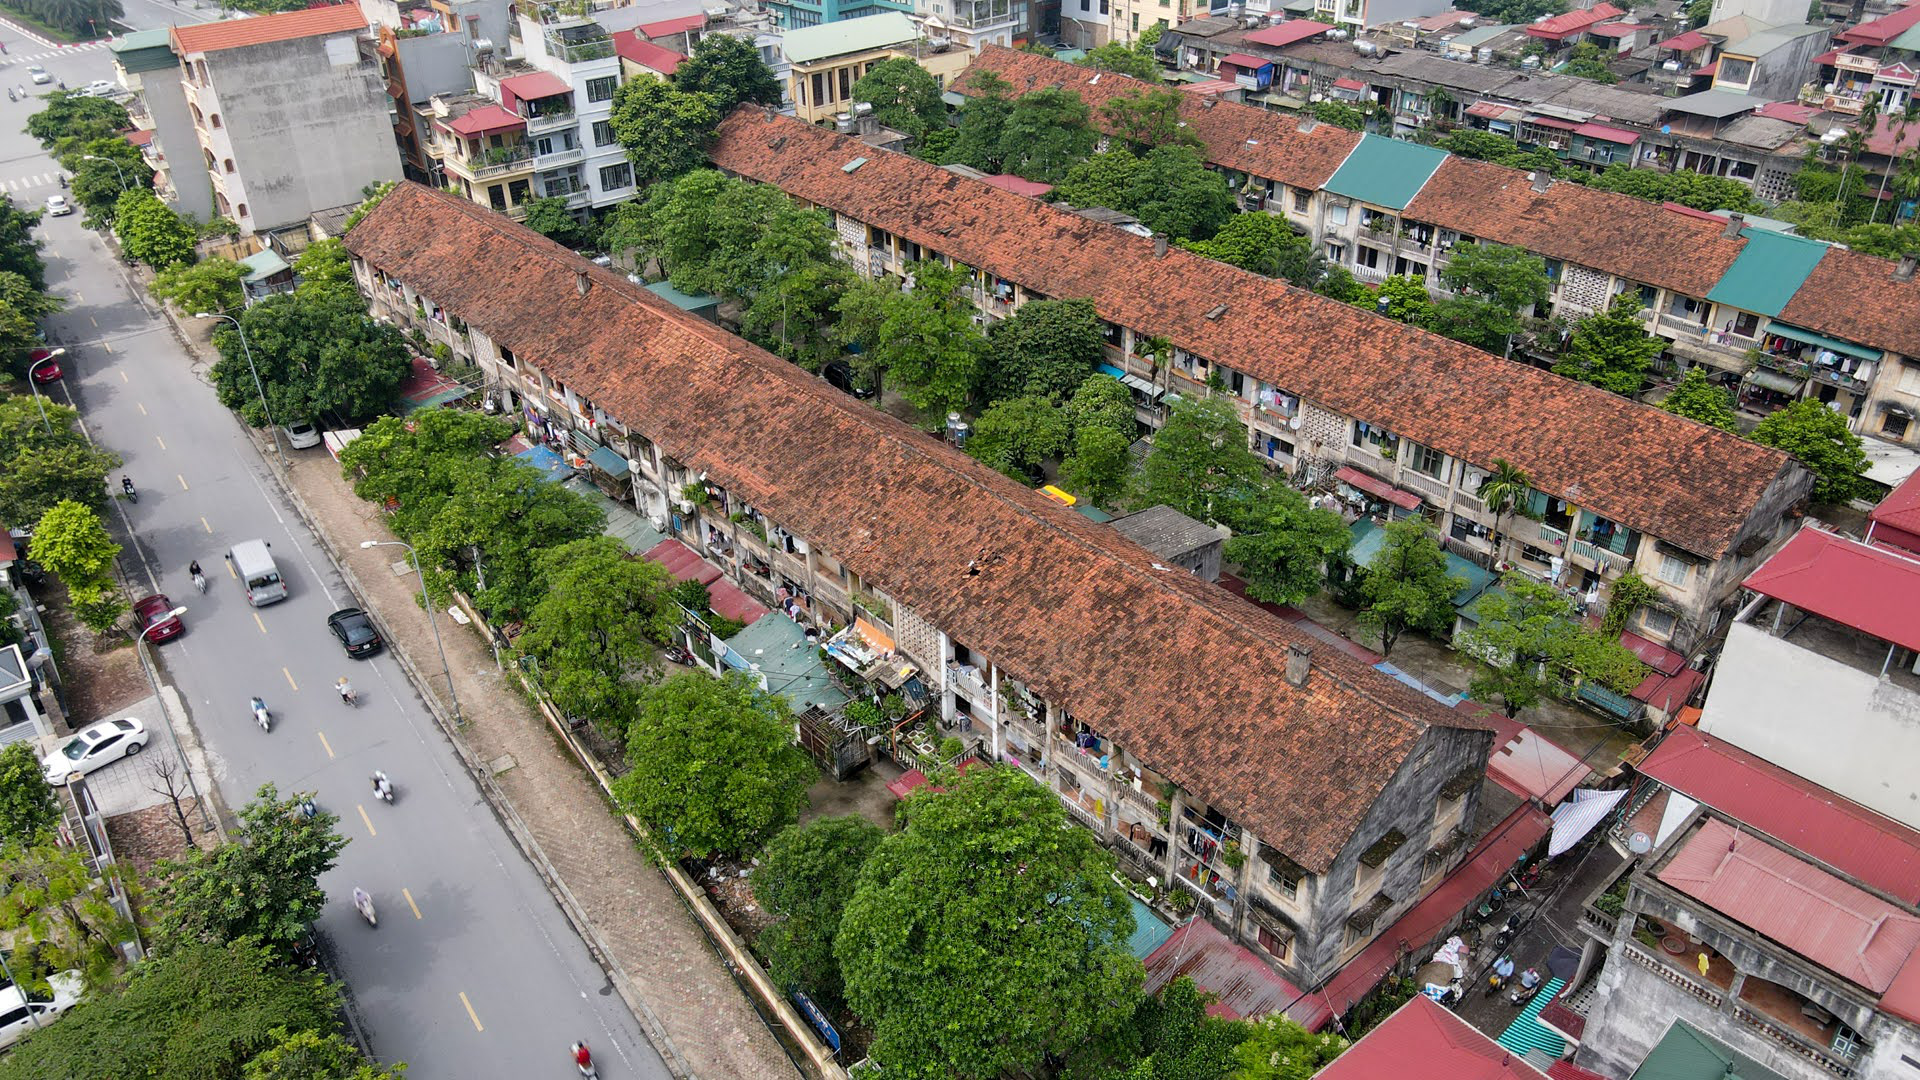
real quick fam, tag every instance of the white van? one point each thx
(253, 564)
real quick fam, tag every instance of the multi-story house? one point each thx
(1303, 797)
(1772, 64)
(562, 82)
(799, 14)
(144, 62)
(1780, 316)
(827, 60)
(1874, 57)
(1326, 391)
(481, 150)
(253, 87)
(1768, 914)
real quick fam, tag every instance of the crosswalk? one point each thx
(28, 183)
(47, 54)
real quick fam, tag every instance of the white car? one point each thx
(92, 747)
(302, 435)
(39, 75)
(102, 88)
(15, 1021)
(59, 206)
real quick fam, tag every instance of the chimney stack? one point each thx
(1908, 263)
(581, 283)
(1734, 222)
(1307, 122)
(1541, 180)
(1159, 247)
(1299, 660)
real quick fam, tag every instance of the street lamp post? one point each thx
(247, 350)
(122, 173)
(426, 601)
(146, 668)
(33, 366)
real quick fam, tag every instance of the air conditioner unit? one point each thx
(1556, 144)
(633, 464)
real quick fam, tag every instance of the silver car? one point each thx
(39, 75)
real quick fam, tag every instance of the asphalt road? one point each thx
(473, 970)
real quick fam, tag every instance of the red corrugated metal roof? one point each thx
(1709, 69)
(1573, 21)
(1032, 189)
(1791, 112)
(1654, 655)
(1527, 764)
(488, 118)
(1244, 983)
(1614, 30)
(1884, 29)
(1844, 929)
(261, 29)
(1607, 134)
(1349, 84)
(1901, 508)
(1553, 122)
(1793, 810)
(631, 46)
(1406, 500)
(1491, 110)
(727, 600)
(1669, 692)
(1287, 33)
(1426, 1040)
(1243, 61)
(1491, 857)
(539, 84)
(1687, 42)
(1870, 588)
(684, 563)
(669, 27)
(1567, 1070)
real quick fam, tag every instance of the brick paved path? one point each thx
(710, 1026)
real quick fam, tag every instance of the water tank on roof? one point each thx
(1530, 63)
(1365, 48)
(1336, 35)
(1670, 65)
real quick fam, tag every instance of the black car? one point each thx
(842, 376)
(356, 633)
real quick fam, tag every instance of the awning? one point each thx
(1576, 817)
(1142, 385)
(1654, 655)
(1245, 62)
(1809, 337)
(1490, 110)
(608, 461)
(1354, 478)
(1553, 122)
(875, 636)
(1349, 84)
(1109, 369)
(539, 84)
(485, 120)
(1607, 134)
(1776, 380)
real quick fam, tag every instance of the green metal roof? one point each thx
(634, 532)
(1810, 338)
(1768, 271)
(810, 43)
(1369, 538)
(142, 39)
(264, 264)
(698, 303)
(790, 663)
(148, 50)
(1386, 172)
(1687, 1054)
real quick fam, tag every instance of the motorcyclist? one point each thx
(382, 787)
(363, 902)
(344, 689)
(126, 483)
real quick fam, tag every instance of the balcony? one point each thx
(559, 158)
(580, 43)
(1370, 274)
(1853, 384)
(968, 680)
(499, 162)
(551, 119)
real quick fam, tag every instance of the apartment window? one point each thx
(602, 89)
(846, 83)
(1656, 622)
(1103, 7)
(1894, 426)
(1285, 880)
(602, 133)
(1301, 199)
(497, 197)
(1337, 213)
(1674, 570)
(1136, 20)
(1268, 940)
(1114, 335)
(519, 191)
(1337, 254)
(227, 164)
(1735, 71)
(243, 209)
(1745, 324)
(1425, 459)
(615, 177)
(215, 118)
(1909, 377)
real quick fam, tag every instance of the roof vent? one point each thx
(1218, 311)
(1307, 122)
(1734, 222)
(580, 282)
(776, 142)
(1541, 180)
(1299, 662)
(1159, 247)
(1904, 270)
(852, 165)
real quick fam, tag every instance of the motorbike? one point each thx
(1491, 906)
(1497, 978)
(348, 695)
(382, 787)
(307, 809)
(200, 582)
(364, 904)
(1527, 986)
(583, 1060)
(126, 486)
(1508, 931)
(261, 715)
(677, 655)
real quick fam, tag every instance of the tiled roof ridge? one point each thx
(269, 28)
(1345, 696)
(1324, 322)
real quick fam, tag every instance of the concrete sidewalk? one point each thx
(658, 957)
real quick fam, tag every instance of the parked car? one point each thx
(59, 206)
(39, 75)
(45, 366)
(21, 1013)
(302, 435)
(94, 746)
(841, 375)
(154, 615)
(355, 630)
(102, 88)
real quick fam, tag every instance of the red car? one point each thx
(44, 366)
(156, 620)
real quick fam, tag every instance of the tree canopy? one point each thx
(1046, 349)
(48, 462)
(1126, 59)
(1611, 349)
(665, 130)
(806, 877)
(1283, 545)
(73, 545)
(411, 464)
(1588, 62)
(729, 72)
(714, 768)
(1045, 133)
(1687, 188)
(551, 218)
(151, 232)
(1200, 464)
(979, 136)
(1528, 633)
(1148, 118)
(1818, 436)
(1494, 283)
(1016, 434)
(1406, 585)
(486, 539)
(987, 934)
(316, 356)
(904, 96)
(208, 285)
(28, 807)
(592, 629)
(922, 340)
(19, 247)
(1696, 398)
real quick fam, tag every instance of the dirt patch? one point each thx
(100, 676)
(729, 884)
(144, 837)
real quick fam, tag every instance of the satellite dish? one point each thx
(1293, 423)
(1639, 843)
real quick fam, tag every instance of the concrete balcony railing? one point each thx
(558, 158)
(969, 683)
(1791, 1041)
(551, 120)
(1369, 274)
(495, 164)
(1641, 955)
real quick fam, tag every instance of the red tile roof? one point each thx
(1873, 589)
(139, 136)
(1883, 30)
(1071, 608)
(1844, 929)
(631, 46)
(1572, 22)
(1243, 137)
(1687, 483)
(1287, 33)
(1246, 986)
(1839, 833)
(1427, 1040)
(261, 29)
(1687, 42)
(1856, 298)
(1901, 508)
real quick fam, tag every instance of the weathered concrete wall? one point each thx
(173, 130)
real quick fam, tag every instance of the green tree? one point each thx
(103, 170)
(1528, 631)
(665, 130)
(324, 269)
(208, 285)
(80, 18)
(1047, 349)
(28, 808)
(1125, 59)
(1016, 434)
(714, 768)
(1102, 400)
(794, 316)
(1279, 1049)
(1148, 118)
(1499, 149)
(1588, 62)
(486, 538)
(203, 1011)
(922, 340)
(1175, 193)
(1406, 585)
(1262, 243)
(1611, 349)
(21, 308)
(1695, 398)
(729, 72)
(1406, 300)
(411, 464)
(1340, 114)
(590, 632)
(1519, 11)
(980, 136)
(1818, 436)
(1200, 464)
(74, 118)
(19, 247)
(1283, 544)
(806, 877)
(1505, 489)
(904, 96)
(1494, 284)
(315, 356)
(262, 885)
(1693, 189)
(550, 218)
(312, 1055)
(1046, 132)
(1099, 464)
(1698, 12)
(987, 934)
(54, 899)
(1171, 1036)
(1105, 179)
(151, 232)
(48, 463)
(72, 544)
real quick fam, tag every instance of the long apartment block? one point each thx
(1304, 797)
(1329, 392)
(1783, 316)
